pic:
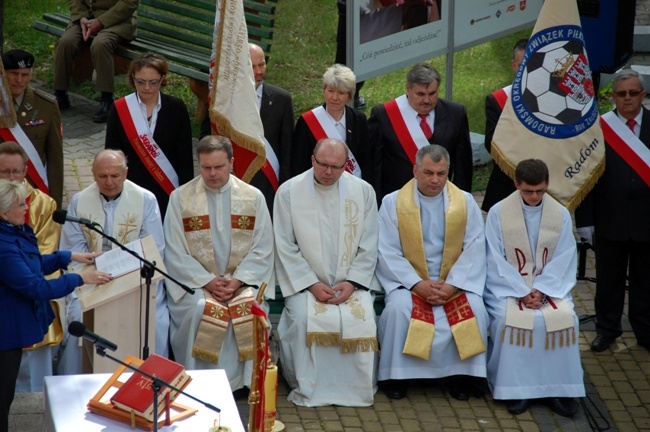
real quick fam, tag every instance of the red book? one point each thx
(136, 395)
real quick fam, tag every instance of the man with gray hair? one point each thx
(619, 209)
(326, 240)
(220, 244)
(126, 212)
(432, 266)
(414, 120)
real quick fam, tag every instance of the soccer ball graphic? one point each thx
(557, 85)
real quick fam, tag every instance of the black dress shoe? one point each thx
(359, 102)
(102, 113)
(63, 101)
(394, 389)
(518, 406)
(459, 389)
(602, 342)
(566, 407)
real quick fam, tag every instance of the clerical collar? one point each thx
(527, 206)
(222, 189)
(107, 199)
(428, 199)
(325, 188)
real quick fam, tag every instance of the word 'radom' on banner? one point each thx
(233, 101)
(552, 113)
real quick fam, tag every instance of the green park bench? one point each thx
(179, 30)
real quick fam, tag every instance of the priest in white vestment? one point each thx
(126, 212)
(220, 244)
(326, 241)
(531, 269)
(432, 267)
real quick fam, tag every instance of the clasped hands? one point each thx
(533, 300)
(434, 292)
(90, 27)
(223, 288)
(334, 296)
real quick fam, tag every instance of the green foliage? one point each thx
(303, 46)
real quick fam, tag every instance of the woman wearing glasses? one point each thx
(25, 311)
(153, 130)
(335, 119)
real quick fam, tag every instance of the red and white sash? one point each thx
(271, 167)
(137, 132)
(626, 144)
(406, 127)
(321, 126)
(36, 170)
(502, 96)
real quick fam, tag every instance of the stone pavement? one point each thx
(617, 380)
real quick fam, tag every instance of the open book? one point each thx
(118, 262)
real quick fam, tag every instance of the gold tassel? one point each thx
(512, 336)
(518, 337)
(246, 354)
(503, 334)
(553, 343)
(530, 340)
(359, 345)
(573, 335)
(323, 339)
(546, 345)
(205, 355)
(561, 335)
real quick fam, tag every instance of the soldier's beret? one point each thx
(17, 59)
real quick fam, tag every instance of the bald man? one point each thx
(326, 237)
(126, 212)
(276, 111)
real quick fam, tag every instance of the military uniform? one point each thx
(119, 21)
(39, 117)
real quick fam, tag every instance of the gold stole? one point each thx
(39, 217)
(127, 217)
(196, 225)
(460, 316)
(557, 314)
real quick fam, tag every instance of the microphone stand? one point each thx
(146, 272)
(156, 385)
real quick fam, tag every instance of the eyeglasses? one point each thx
(528, 192)
(624, 93)
(332, 167)
(143, 83)
(21, 206)
(11, 172)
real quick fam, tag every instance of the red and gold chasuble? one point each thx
(196, 225)
(460, 316)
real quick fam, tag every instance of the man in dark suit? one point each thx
(276, 112)
(618, 212)
(403, 125)
(499, 185)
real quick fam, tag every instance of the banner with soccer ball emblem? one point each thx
(552, 112)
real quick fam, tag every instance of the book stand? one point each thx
(101, 405)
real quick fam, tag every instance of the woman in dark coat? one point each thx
(165, 122)
(335, 119)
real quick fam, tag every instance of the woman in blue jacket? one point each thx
(25, 311)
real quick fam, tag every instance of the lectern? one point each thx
(116, 311)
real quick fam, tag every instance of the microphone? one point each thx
(78, 329)
(61, 216)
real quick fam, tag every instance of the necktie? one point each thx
(425, 126)
(631, 123)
